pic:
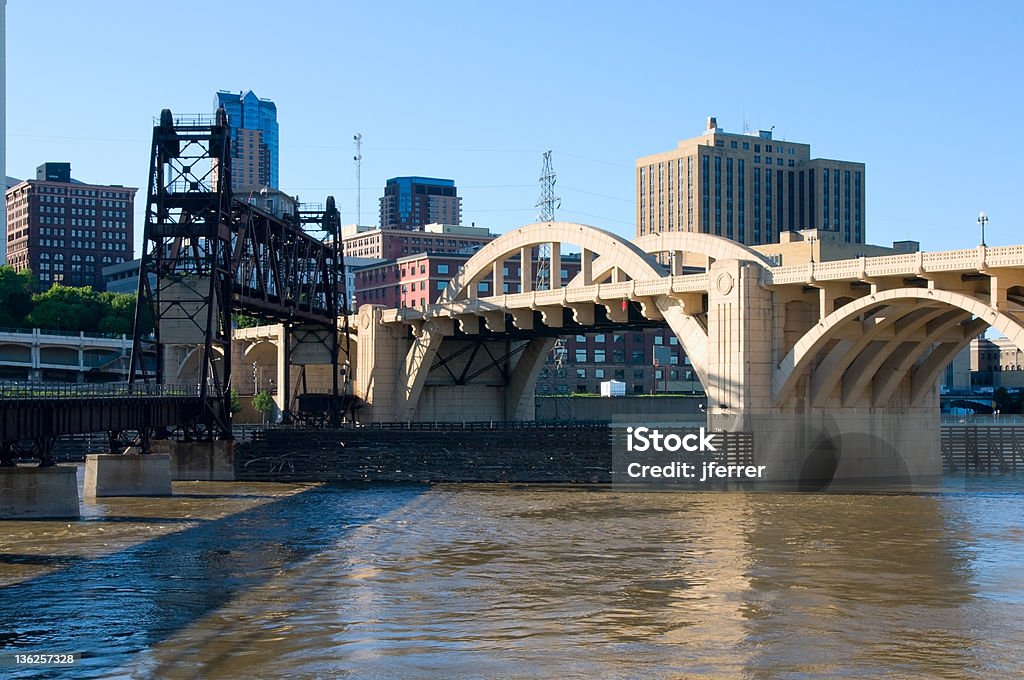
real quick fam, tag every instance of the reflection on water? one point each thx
(497, 581)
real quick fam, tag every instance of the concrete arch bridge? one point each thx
(832, 366)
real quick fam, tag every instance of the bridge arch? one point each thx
(604, 255)
(900, 327)
(612, 250)
(708, 245)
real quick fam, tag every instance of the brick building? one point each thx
(65, 230)
(390, 244)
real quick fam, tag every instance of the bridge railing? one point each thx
(42, 390)
(988, 419)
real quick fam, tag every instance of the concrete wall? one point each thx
(604, 409)
(447, 453)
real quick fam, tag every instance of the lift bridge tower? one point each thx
(207, 256)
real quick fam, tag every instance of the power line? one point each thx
(591, 193)
(461, 186)
(599, 217)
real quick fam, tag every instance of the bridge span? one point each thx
(828, 364)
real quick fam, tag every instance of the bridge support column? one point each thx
(127, 474)
(198, 461)
(39, 493)
(381, 353)
(520, 404)
(803, 444)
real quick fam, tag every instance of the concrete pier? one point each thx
(38, 493)
(127, 474)
(199, 461)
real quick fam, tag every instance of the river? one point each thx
(290, 581)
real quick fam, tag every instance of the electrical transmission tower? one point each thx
(547, 204)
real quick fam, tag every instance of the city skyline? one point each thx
(909, 105)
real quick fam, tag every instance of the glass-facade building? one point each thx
(254, 139)
(412, 202)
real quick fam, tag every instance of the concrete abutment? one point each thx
(39, 492)
(198, 461)
(127, 474)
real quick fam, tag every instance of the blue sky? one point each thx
(928, 95)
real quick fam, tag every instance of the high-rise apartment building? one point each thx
(748, 187)
(66, 231)
(412, 202)
(254, 140)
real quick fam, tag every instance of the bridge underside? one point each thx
(29, 425)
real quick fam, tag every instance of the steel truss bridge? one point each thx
(208, 256)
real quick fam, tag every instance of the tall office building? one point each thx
(748, 187)
(412, 202)
(254, 140)
(66, 231)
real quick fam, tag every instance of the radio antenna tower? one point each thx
(358, 158)
(547, 203)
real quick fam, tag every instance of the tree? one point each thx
(15, 296)
(242, 321)
(263, 402)
(119, 313)
(74, 309)
(1006, 402)
(66, 308)
(236, 403)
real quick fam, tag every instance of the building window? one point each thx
(599, 373)
(599, 356)
(442, 269)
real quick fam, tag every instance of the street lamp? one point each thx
(982, 220)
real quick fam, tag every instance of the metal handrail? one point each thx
(41, 390)
(986, 419)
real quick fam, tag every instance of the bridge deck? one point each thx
(35, 411)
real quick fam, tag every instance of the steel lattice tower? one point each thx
(547, 203)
